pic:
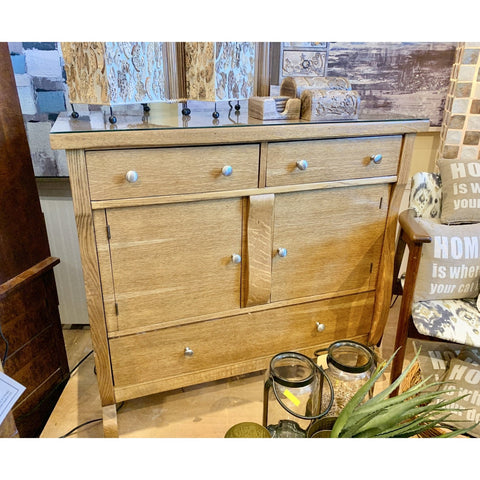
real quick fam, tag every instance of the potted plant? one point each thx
(413, 412)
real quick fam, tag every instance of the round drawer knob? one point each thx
(227, 170)
(188, 352)
(236, 258)
(302, 164)
(320, 327)
(376, 158)
(282, 252)
(131, 176)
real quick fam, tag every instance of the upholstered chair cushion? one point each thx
(455, 321)
(426, 195)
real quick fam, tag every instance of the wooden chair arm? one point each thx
(411, 230)
(413, 235)
(28, 275)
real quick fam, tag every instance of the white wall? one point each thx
(56, 202)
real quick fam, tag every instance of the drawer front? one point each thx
(169, 171)
(218, 343)
(330, 160)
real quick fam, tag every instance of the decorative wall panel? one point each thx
(115, 73)
(219, 70)
(404, 78)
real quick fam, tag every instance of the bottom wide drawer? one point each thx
(216, 345)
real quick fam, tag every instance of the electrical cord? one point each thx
(6, 346)
(57, 386)
(80, 362)
(73, 430)
(393, 303)
(21, 417)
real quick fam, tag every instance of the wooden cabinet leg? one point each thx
(110, 424)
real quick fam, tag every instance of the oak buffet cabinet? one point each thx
(207, 249)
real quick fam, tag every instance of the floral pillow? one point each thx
(460, 191)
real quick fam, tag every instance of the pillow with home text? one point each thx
(460, 191)
(449, 265)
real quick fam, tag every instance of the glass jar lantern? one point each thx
(293, 395)
(349, 366)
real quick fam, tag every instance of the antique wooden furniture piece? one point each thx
(34, 352)
(209, 249)
(454, 319)
(8, 429)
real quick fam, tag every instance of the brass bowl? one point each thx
(321, 428)
(247, 430)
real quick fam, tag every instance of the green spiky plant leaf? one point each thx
(418, 409)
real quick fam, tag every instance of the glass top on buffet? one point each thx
(95, 118)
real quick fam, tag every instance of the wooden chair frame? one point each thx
(413, 236)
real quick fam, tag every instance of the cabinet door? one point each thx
(332, 240)
(173, 261)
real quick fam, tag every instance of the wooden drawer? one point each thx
(159, 355)
(169, 171)
(332, 159)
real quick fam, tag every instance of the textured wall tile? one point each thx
(60, 157)
(45, 83)
(456, 121)
(454, 137)
(460, 105)
(24, 80)
(43, 63)
(15, 47)
(18, 64)
(471, 138)
(473, 122)
(469, 153)
(466, 73)
(463, 89)
(26, 94)
(450, 151)
(470, 56)
(476, 90)
(40, 45)
(43, 157)
(51, 102)
(475, 109)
